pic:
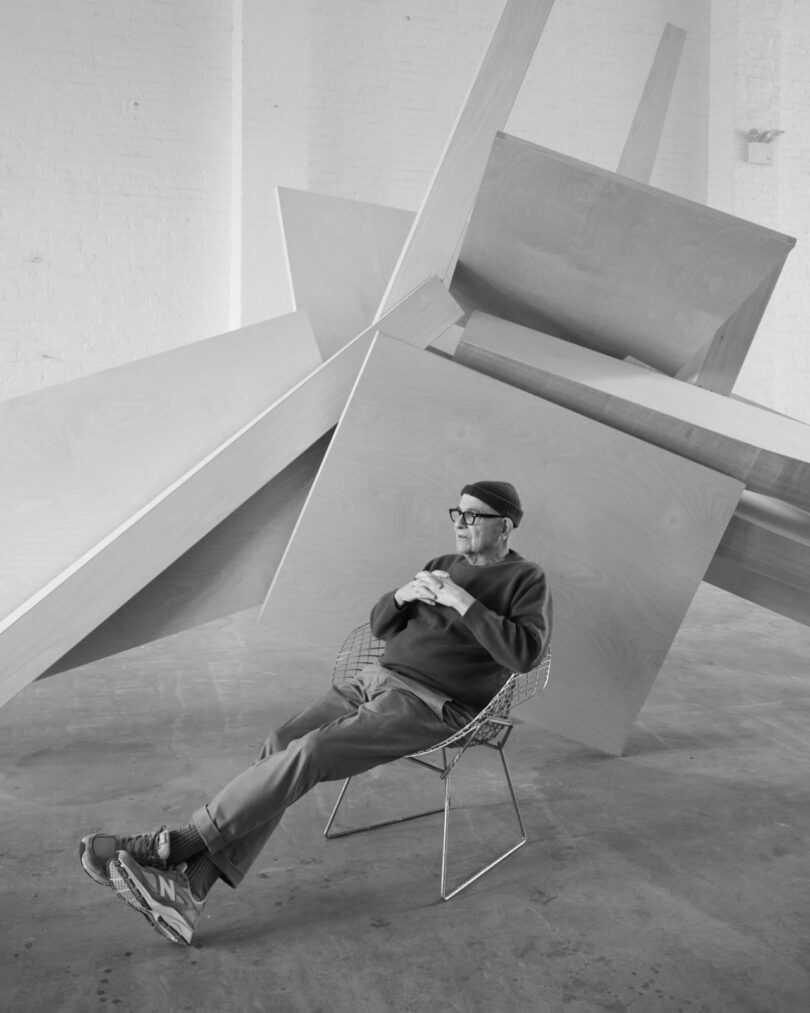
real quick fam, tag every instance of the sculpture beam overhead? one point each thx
(437, 231)
(591, 257)
(638, 157)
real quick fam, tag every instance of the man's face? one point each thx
(478, 541)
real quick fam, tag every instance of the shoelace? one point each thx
(144, 848)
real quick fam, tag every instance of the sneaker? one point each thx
(164, 896)
(96, 851)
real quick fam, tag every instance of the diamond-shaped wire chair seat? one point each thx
(491, 727)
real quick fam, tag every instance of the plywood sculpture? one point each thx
(397, 452)
(533, 276)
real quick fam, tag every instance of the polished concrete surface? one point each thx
(674, 878)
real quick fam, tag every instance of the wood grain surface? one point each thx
(605, 262)
(625, 530)
(728, 348)
(764, 556)
(340, 255)
(433, 242)
(638, 156)
(113, 566)
(80, 459)
(422, 317)
(768, 451)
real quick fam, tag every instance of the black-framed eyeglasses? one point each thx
(468, 516)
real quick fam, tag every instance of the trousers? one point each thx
(351, 728)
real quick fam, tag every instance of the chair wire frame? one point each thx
(491, 727)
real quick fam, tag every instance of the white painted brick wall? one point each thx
(114, 182)
(761, 79)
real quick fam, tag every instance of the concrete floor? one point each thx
(674, 878)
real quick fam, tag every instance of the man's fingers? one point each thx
(427, 580)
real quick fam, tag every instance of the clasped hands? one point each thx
(434, 587)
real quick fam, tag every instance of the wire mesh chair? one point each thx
(491, 727)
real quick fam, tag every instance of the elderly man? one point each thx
(452, 635)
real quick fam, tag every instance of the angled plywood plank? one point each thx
(603, 261)
(625, 530)
(433, 242)
(79, 459)
(227, 571)
(340, 255)
(769, 452)
(764, 557)
(638, 157)
(111, 569)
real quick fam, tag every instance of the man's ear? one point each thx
(508, 526)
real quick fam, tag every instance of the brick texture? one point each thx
(114, 182)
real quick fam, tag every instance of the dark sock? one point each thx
(202, 874)
(185, 843)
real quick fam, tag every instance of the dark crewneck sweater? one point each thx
(469, 657)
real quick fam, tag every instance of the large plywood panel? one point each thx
(769, 452)
(340, 255)
(638, 157)
(433, 242)
(587, 255)
(625, 530)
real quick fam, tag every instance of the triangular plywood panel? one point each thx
(625, 530)
(340, 254)
(227, 571)
(592, 257)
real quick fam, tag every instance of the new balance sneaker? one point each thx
(96, 851)
(164, 896)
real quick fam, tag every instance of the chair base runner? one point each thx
(444, 773)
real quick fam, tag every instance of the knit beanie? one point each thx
(501, 496)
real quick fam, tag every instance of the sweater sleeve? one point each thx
(519, 641)
(387, 618)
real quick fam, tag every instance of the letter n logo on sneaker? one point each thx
(166, 888)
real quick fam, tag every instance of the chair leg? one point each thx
(446, 895)
(331, 834)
